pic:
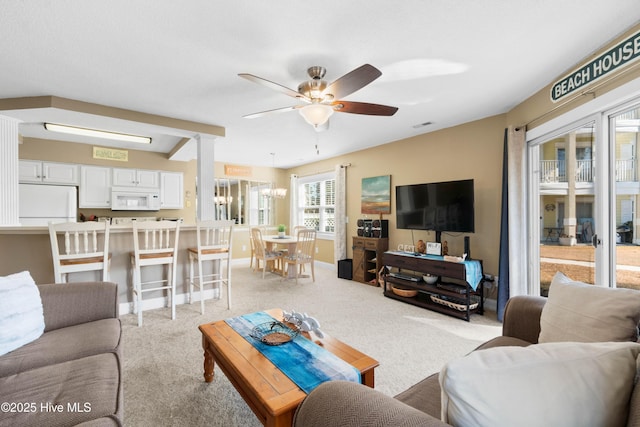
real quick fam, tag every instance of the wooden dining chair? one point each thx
(261, 252)
(213, 244)
(85, 248)
(253, 251)
(294, 233)
(304, 253)
(155, 243)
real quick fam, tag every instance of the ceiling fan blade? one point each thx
(353, 81)
(277, 110)
(364, 108)
(272, 85)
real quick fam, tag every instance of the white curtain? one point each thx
(517, 169)
(340, 239)
(293, 202)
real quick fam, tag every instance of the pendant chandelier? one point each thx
(274, 193)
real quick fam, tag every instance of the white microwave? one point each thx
(135, 199)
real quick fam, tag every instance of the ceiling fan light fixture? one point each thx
(316, 114)
(74, 130)
(313, 89)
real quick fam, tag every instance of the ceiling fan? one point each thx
(321, 100)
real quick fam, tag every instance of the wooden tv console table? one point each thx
(456, 297)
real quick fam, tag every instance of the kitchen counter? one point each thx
(29, 248)
(120, 228)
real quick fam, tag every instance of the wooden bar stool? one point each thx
(214, 244)
(86, 248)
(154, 243)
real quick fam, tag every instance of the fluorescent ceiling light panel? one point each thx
(73, 130)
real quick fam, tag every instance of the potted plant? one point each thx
(281, 229)
(566, 240)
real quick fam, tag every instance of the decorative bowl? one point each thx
(273, 333)
(404, 292)
(430, 279)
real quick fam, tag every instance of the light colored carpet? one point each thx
(163, 359)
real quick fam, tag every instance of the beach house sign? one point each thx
(620, 55)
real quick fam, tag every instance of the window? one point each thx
(260, 205)
(316, 203)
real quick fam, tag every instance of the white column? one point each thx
(571, 168)
(9, 202)
(206, 175)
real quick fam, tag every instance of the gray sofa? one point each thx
(346, 404)
(72, 374)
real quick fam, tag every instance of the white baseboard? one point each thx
(160, 302)
(321, 264)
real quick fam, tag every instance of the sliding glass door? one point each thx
(563, 180)
(625, 195)
(585, 194)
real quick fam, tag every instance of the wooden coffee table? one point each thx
(270, 394)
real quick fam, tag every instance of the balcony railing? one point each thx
(584, 171)
(626, 170)
(556, 171)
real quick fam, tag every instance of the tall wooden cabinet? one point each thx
(367, 258)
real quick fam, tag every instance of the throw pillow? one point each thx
(576, 311)
(555, 384)
(21, 316)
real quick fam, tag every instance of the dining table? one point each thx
(271, 241)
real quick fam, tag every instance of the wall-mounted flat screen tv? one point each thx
(437, 206)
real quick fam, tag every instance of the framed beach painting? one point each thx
(376, 195)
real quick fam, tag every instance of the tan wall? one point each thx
(472, 150)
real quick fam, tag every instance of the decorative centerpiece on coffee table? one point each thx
(303, 321)
(274, 333)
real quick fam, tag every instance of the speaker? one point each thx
(467, 250)
(367, 229)
(380, 228)
(360, 228)
(345, 269)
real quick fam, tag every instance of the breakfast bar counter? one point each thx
(29, 248)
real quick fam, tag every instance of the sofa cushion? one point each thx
(101, 422)
(86, 389)
(425, 395)
(61, 345)
(21, 318)
(349, 404)
(555, 384)
(577, 311)
(503, 341)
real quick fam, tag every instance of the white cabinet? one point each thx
(136, 178)
(95, 187)
(171, 188)
(36, 171)
(30, 171)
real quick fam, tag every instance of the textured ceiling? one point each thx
(444, 62)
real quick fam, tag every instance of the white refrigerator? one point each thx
(41, 204)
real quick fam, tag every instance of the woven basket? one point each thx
(456, 306)
(404, 292)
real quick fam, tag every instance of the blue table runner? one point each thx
(305, 363)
